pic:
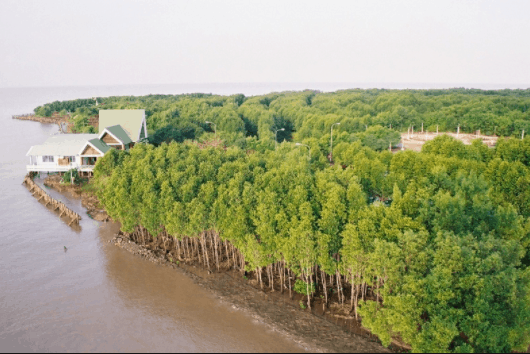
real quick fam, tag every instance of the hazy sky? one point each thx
(61, 43)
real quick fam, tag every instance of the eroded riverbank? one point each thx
(313, 332)
(88, 199)
(324, 329)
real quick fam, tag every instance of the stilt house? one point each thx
(118, 129)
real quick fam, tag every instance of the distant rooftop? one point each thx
(129, 119)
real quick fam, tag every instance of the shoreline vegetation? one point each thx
(342, 333)
(426, 248)
(64, 121)
(54, 118)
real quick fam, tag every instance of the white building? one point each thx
(119, 129)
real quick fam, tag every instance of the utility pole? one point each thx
(522, 135)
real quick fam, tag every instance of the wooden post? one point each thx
(49, 200)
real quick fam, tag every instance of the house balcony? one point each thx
(50, 168)
(86, 168)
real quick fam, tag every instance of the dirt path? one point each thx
(415, 141)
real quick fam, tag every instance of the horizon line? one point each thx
(378, 85)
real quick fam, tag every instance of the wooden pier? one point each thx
(40, 194)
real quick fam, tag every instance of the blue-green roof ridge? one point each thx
(120, 133)
(100, 145)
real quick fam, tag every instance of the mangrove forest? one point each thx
(430, 248)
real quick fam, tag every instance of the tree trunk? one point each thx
(289, 276)
(216, 251)
(260, 280)
(268, 274)
(323, 276)
(352, 289)
(283, 274)
(307, 287)
(205, 250)
(338, 285)
(226, 251)
(233, 255)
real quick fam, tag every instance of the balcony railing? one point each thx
(49, 168)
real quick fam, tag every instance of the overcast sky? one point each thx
(63, 43)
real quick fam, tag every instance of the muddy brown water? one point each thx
(94, 296)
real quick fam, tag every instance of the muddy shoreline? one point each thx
(320, 329)
(324, 332)
(88, 200)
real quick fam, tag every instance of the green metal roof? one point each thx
(120, 133)
(101, 146)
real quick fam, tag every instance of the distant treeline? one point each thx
(306, 116)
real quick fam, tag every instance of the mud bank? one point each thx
(59, 120)
(88, 200)
(54, 119)
(322, 330)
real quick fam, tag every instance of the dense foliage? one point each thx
(429, 246)
(251, 122)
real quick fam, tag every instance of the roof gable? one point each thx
(130, 120)
(118, 133)
(97, 144)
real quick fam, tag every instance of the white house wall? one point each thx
(54, 166)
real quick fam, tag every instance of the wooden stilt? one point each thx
(38, 192)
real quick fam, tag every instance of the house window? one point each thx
(47, 159)
(70, 158)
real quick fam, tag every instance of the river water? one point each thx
(95, 296)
